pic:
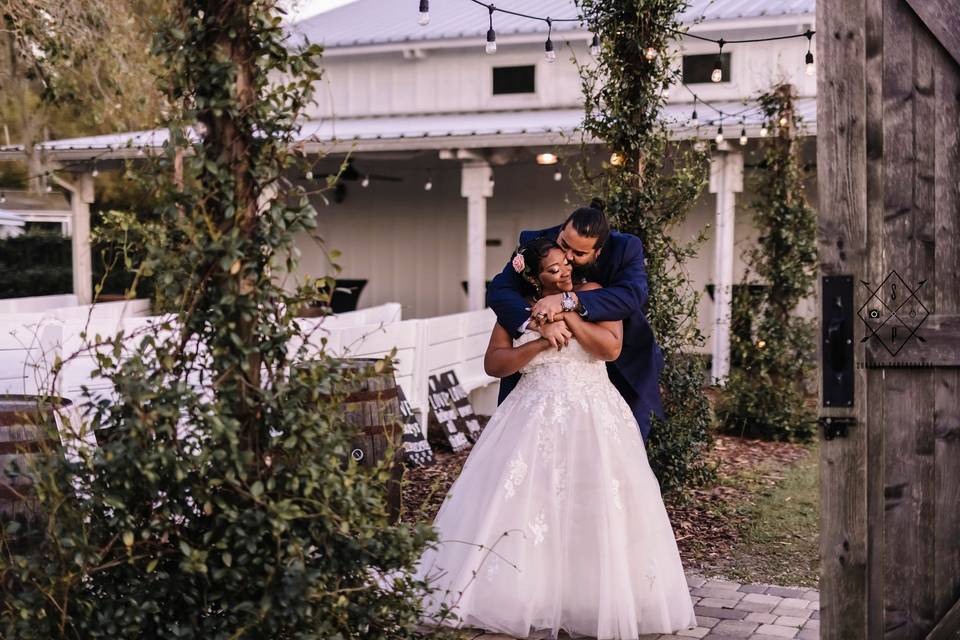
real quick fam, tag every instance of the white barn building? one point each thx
(443, 141)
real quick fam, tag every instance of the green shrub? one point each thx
(771, 346)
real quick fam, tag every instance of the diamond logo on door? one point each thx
(893, 312)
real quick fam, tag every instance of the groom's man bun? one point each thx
(591, 222)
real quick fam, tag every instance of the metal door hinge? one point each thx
(835, 426)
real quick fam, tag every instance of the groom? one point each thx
(614, 260)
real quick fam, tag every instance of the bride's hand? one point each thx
(558, 334)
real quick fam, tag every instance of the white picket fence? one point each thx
(30, 342)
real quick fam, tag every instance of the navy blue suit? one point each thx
(621, 272)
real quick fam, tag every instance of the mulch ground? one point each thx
(708, 524)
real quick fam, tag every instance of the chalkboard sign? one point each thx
(415, 445)
(466, 417)
(445, 415)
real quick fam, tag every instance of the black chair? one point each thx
(347, 295)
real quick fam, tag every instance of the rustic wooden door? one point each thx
(888, 163)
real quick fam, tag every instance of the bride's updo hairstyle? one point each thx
(526, 263)
(591, 222)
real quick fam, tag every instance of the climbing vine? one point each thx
(220, 502)
(649, 184)
(772, 345)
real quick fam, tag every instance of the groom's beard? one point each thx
(586, 272)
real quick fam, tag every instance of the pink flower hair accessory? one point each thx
(518, 263)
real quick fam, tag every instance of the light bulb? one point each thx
(308, 175)
(810, 69)
(743, 137)
(719, 137)
(428, 185)
(95, 173)
(3, 198)
(666, 93)
(717, 74)
(809, 62)
(650, 53)
(783, 121)
(49, 188)
(557, 176)
(616, 159)
(140, 151)
(595, 46)
(693, 119)
(763, 131)
(424, 18)
(491, 47)
(548, 51)
(365, 182)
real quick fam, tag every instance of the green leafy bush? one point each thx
(771, 345)
(648, 192)
(221, 502)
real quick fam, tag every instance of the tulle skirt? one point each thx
(557, 523)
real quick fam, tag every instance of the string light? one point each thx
(650, 54)
(693, 117)
(763, 130)
(808, 59)
(424, 18)
(783, 121)
(595, 46)
(548, 51)
(49, 188)
(428, 185)
(308, 175)
(557, 176)
(743, 132)
(3, 197)
(491, 47)
(717, 74)
(95, 171)
(365, 182)
(719, 138)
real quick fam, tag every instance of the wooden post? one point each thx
(476, 187)
(81, 197)
(726, 180)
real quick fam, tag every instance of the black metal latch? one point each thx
(835, 426)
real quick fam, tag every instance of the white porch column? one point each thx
(81, 197)
(726, 180)
(476, 187)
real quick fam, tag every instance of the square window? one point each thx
(507, 80)
(697, 69)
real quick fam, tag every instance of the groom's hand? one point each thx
(548, 307)
(558, 334)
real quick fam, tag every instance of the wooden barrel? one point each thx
(24, 424)
(372, 411)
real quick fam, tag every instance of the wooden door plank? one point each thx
(842, 247)
(922, 245)
(942, 19)
(898, 464)
(946, 521)
(872, 405)
(938, 344)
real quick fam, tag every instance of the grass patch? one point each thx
(779, 541)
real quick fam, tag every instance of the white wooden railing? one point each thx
(31, 341)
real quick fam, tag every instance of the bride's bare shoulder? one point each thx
(587, 286)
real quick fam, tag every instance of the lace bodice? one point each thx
(573, 358)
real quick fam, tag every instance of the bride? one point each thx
(556, 521)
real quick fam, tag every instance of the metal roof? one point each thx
(369, 22)
(531, 127)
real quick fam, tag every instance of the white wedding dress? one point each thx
(556, 521)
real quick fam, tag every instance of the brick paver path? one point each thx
(733, 611)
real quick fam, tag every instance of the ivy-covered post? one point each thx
(772, 347)
(220, 501)
(649, 185)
